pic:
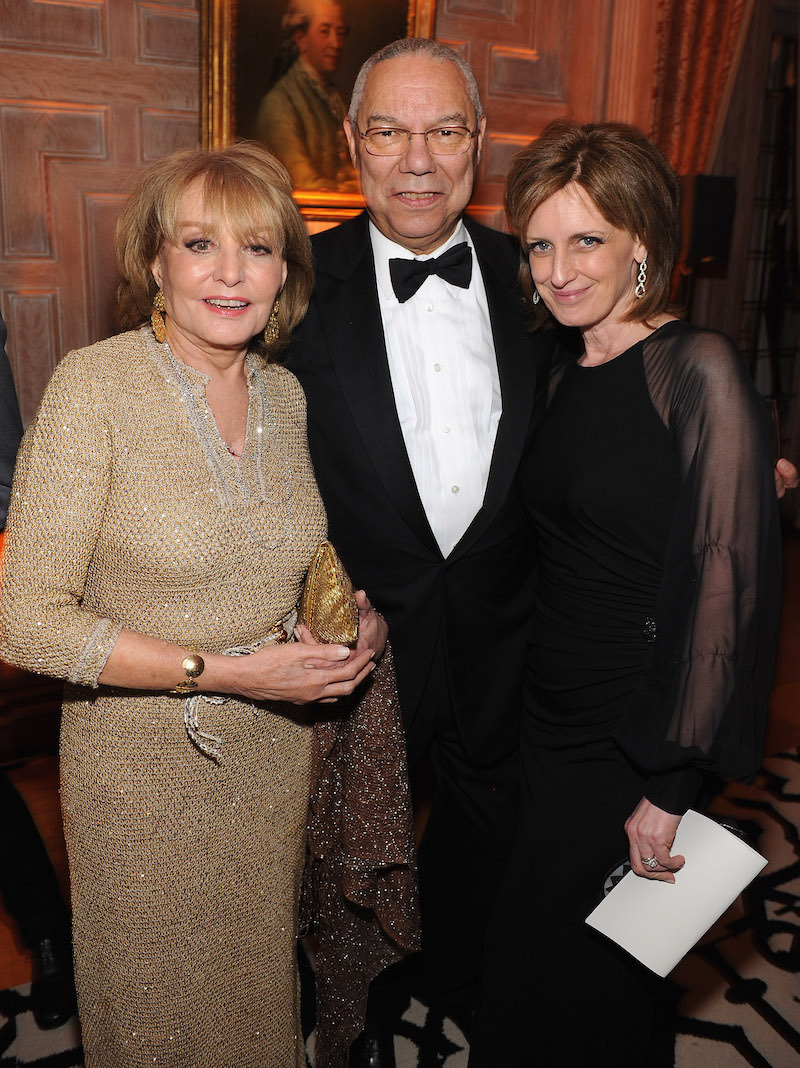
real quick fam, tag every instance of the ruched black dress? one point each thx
(650, 659)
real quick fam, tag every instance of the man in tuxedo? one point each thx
(421, 397)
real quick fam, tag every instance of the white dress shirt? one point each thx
(446, 386)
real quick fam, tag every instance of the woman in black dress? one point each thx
(652, 645)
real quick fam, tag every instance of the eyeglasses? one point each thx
(393, 141)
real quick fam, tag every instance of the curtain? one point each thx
(699, 46)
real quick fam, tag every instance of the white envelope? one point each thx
(658, 923)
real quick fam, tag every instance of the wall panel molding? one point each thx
(632, 53)
(34, 314)
(30, 135)
(163, 131)
(54, 26)
(535, 60)
(99, 213)
(493, 9)
(498, 150)
(514, 71)
(89, 92)
(167, 35)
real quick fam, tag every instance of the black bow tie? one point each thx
(455, 266)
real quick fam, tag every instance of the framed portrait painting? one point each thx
(281, 71)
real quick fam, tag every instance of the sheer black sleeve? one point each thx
(702, 704)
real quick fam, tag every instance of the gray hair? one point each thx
(415, 46)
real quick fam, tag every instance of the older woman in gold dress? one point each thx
(164, 514)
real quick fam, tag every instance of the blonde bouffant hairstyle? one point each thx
(246, 188)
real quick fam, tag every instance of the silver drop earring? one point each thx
(641, 281)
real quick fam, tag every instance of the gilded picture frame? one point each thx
(230, 29)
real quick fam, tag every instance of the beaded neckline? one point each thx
(229, 475)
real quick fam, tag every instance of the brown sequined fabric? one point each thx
(185, 871)
(360, 889)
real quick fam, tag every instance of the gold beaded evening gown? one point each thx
(185, 868)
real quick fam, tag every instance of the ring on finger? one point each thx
(650, 862)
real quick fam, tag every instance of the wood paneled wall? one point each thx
(89, 91)
(536, 60)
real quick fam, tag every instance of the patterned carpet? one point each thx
(740, 988)
(741, 1004)
(23, 1044)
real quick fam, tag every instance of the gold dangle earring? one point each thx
(157, 319)
(272, 330)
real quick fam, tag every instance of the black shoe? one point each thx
(372, 1050)
(53, 987)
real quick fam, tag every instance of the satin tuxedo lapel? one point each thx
(517, 369)
(349, 309)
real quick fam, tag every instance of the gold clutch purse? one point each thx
(327, 604)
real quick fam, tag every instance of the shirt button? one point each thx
(446, 429)
(430, 307)
(454, 489)
(437, 367)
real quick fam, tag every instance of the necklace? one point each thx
(235, 455)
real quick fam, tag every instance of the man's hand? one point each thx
(372, 628)
(786, 476)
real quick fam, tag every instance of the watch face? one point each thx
(193, 665)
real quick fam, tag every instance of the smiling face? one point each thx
(218, 289)
(321, 44)
(583, 267)
(416, 199)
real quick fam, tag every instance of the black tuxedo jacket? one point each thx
(460, 621)
(10, 427)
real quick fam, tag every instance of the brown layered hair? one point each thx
(245, 188)
(627, 178)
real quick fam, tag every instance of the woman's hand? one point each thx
(372, 633)
(651, 832)
(372, 630)
(294, 673)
